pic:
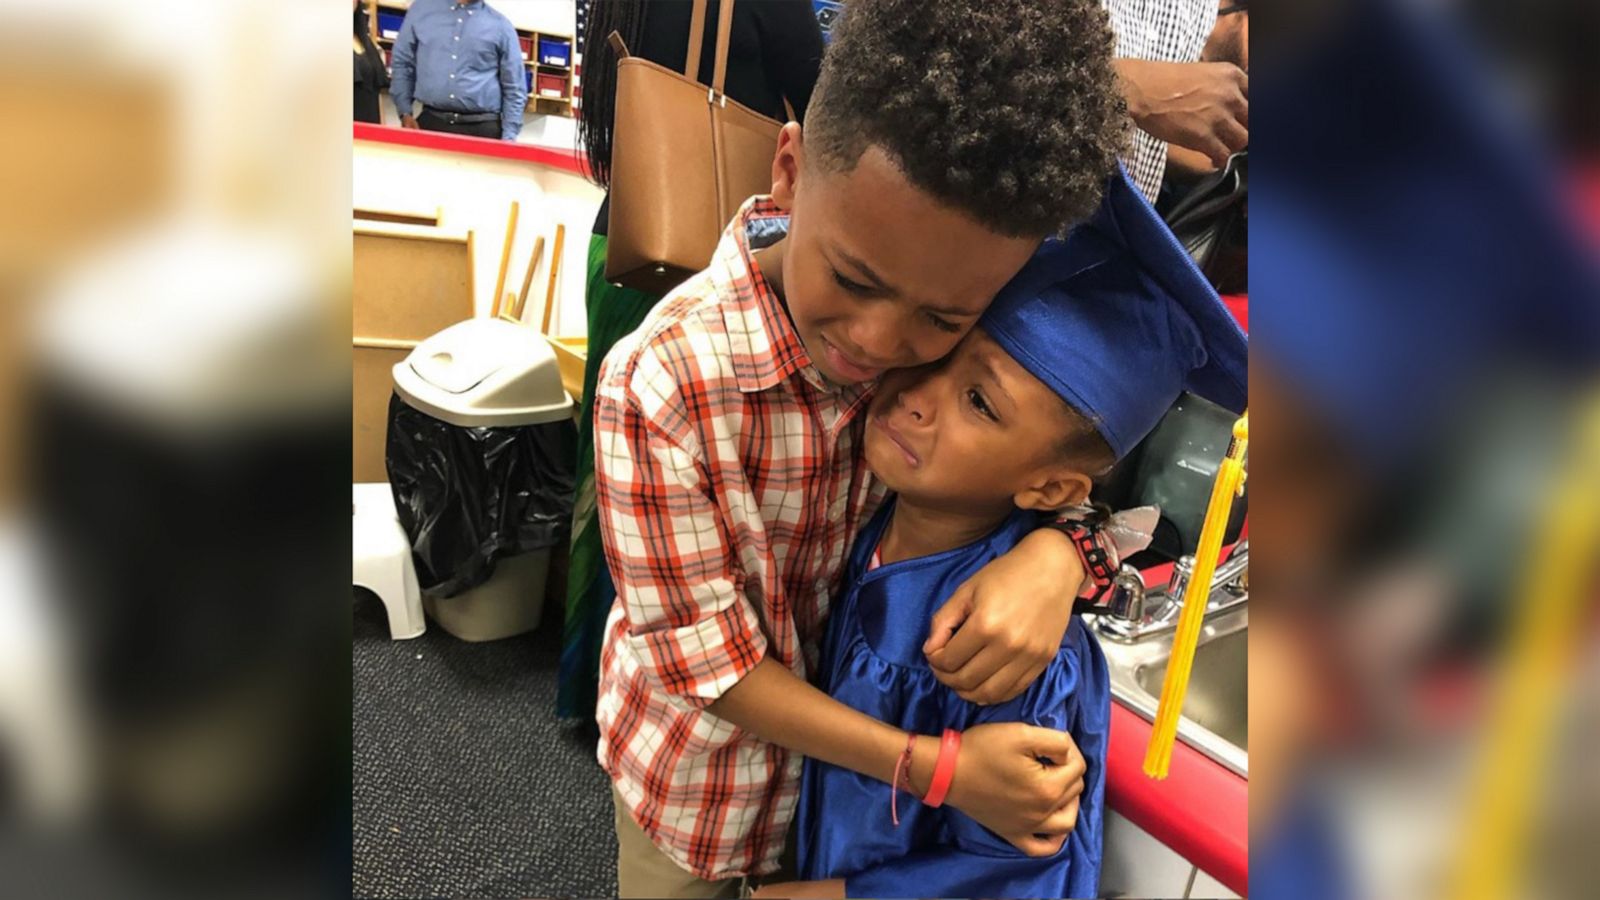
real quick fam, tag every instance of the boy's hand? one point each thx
(1002, 781)
(1000, 629)
(832, 889)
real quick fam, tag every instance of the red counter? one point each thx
(1201, 810)
(570, 160)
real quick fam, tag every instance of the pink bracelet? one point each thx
(944, 771)
(902, 772)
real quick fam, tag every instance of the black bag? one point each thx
(1212, 221)
(469, 497)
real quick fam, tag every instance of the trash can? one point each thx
(480, 453)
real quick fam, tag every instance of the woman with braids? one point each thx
(774, 55)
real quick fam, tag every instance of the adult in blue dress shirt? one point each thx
(461, 60)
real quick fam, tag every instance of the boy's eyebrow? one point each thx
(878, 284)
(865, 271)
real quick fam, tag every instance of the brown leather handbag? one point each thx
(684, 159)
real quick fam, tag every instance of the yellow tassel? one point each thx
(1535, 683)
(1230, 475)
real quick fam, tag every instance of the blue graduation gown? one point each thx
(873, 662)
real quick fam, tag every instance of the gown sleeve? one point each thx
(1073, 695)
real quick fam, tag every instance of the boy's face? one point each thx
(877, 274)
(975, 433)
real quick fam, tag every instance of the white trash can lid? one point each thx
(484, 372)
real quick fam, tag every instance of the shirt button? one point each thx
(452, 74)
(458, 37)
(452, 96)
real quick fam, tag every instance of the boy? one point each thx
(1073, 364)
(943, 143)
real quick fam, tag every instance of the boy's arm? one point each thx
(692, 630)
(999, 780)
(999, 630)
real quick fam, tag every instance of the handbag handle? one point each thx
(697, 28)
(719, 75)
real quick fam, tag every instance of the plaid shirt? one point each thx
(729, 487)
(1162, 31)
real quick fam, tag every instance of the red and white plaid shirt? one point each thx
(729, 486)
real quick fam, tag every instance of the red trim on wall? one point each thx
(1201, 810)
(570, 161)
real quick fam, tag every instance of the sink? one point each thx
(1215, 715)
(1218, 686)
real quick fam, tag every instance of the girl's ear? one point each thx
(1056, 488)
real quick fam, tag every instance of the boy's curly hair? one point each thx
(1005, 109)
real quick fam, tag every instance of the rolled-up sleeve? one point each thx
(689, 624)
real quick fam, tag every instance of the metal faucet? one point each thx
(1135, 612)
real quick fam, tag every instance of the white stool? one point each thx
(381, 556)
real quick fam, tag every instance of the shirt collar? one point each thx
(766, 348)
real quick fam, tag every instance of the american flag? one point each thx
(577, 56)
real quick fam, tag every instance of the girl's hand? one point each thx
(1002, 782)
(832, 889)
(1000, 629)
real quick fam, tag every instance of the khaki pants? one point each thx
(644, 871)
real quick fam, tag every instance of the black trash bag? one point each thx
(469, 497)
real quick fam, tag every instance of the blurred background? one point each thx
(1426, 462)
(174, 283)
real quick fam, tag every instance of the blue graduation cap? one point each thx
(1117, 320)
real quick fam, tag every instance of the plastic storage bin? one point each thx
(555, 53)
(480, 456)
(552, 86)
(389, 24)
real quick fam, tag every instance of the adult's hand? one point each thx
(408, 122)
(1204, 106)
(999, 630)
(1019, 781)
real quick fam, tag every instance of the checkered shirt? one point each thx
(729, 488)
(1161, 31)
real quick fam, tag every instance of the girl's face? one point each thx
(974, 433)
